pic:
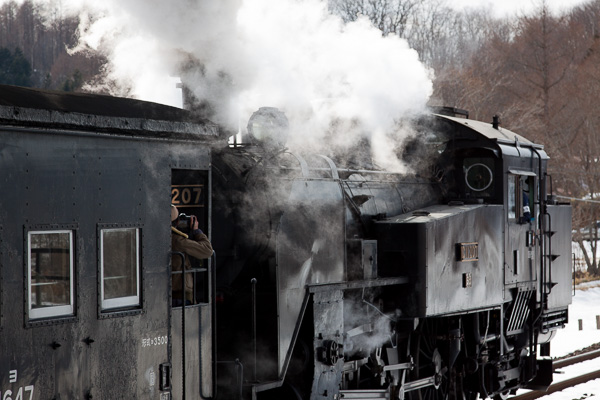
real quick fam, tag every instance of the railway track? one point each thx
(559, 386)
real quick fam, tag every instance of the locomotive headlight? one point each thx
(268, 126)
(478, 177)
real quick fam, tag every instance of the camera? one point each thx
(184, 223)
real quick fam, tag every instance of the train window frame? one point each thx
(52, 312)
(125, 304)
(183, 179)
(515, 203)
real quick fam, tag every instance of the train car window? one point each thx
(119, 268)
(50, 279)
(520, 198)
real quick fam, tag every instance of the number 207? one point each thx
(186, 195)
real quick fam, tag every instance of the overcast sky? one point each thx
(514, 7)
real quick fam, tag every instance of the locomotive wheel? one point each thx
(502, 396)
(428, 362)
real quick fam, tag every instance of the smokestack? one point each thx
(496, 122)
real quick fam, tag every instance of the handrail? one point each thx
(182, 255)
(573, 272)
(213, 326)
(211, 288)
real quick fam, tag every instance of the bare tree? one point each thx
(389, 16)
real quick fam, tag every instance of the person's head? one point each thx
(174, 214)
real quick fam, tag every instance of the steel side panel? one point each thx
(439, 274)
(86, 181)
(307, 251)
(198, 353)
(562, 268)
(445, 290)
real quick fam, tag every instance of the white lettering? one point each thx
(12, 376)
(9, 393)
(155, 341)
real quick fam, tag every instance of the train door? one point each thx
(191, 353)
(521, 215)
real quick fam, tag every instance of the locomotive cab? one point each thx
(492, 251)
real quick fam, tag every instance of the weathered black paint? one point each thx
(70, 176)
(330, 253)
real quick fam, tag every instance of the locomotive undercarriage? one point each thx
(450, 357)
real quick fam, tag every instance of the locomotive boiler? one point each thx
(338, 279)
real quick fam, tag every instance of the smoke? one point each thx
(367, 328)
(337, 83)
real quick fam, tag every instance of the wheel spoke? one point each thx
(425, 350)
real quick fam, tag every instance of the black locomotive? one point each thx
(332, 278)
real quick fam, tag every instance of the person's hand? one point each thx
(194, 222)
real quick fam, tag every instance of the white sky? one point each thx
(509, 8)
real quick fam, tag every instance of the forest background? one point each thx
(539, 72)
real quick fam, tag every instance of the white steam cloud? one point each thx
(336, 82)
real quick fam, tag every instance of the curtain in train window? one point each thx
(119, 268)
(512, 197)
(50, 274)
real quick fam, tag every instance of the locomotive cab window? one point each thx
(50, 274)
(520, 197)
(119, 268)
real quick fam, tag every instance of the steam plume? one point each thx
(336, 83)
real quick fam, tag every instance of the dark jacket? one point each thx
(199, 247)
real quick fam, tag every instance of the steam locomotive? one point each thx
(332, 278)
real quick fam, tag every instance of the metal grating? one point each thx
(519, 313)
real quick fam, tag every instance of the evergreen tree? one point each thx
(14, 68)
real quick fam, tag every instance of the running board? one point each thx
(365, 394)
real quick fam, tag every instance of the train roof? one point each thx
(92, 112)
(486, 129)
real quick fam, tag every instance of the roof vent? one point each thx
(495, 122)
(421, 213)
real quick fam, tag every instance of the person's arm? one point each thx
(198, 245)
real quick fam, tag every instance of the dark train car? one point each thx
(87, 183)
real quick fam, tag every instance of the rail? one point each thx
(557, 387)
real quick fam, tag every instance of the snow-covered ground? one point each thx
(586, 305)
